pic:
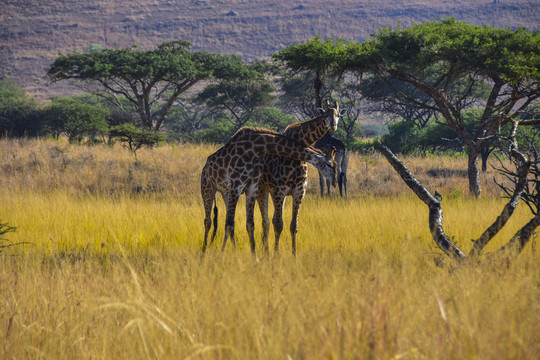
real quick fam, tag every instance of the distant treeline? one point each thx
(442, 86)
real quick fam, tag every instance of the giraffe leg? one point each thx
(251, 197)
(215, 222)
(208, 196)
(277, 220)
(207, 225)
(328, 187)
(297, 201)
(224, 197)
(262, 199)
(232, 200)
(321, 183)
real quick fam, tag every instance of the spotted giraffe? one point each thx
(236, 168)
(283, 177)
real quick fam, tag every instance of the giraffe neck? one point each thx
(308, 132)
(258, 142)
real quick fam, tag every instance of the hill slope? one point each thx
(33, 32)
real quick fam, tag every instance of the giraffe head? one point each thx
(332, 114)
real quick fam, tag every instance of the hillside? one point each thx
(33, 32)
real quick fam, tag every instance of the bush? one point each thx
(19, 114)
(134, 138)
(75, 118)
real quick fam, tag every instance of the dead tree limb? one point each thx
(523, 236)
(523, 166)
(516, 243)
(432, 201)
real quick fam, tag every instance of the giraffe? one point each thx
(325, 144)
(236, 168)
(282, 177)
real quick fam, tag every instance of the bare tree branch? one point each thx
(432, 201)
(508, 209)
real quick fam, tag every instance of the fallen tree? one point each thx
(526, 181)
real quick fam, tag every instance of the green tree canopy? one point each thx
(322, 58)
(448, 60)
(151, 80)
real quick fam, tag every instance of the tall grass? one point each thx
(114, 268)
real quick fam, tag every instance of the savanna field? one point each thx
(108, 265)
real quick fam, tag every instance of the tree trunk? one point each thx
(472, 171)
(317, 87)
(484, 155)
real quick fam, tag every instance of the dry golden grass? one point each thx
(46, 165)
(114, 267)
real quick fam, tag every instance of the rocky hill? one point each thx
(33, 32)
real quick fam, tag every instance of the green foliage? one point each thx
(374, 130)
(19, 114)
(453, 61)
(320, 58)
(297, 97)
(459, 66)
(96, 47)
(75, 118)
(351, 99)
(10, 92)
(364, 147)
(511, 54)
(271, 118)
(315, 55)
(406, 138)
(134, 138)
(186, 119)
(218, 132)
(401, 138)
(236, 99)
(149, 80)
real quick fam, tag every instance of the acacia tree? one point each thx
(134, 138)
(321, 58)
(435, 56)
(150, 80)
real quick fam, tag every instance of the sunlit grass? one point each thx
(118, 272)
